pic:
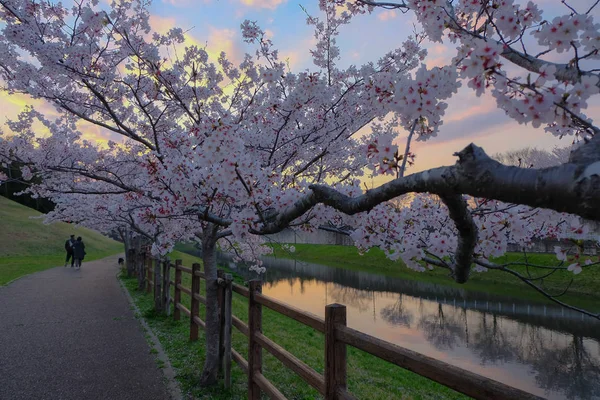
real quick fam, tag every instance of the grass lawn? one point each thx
(27, 245)
(583, 292)
(368, 377)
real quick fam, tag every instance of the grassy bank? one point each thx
(27, 245)
(583, 291)
(368, 377)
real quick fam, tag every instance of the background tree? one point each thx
(534, 157)
(12, 185)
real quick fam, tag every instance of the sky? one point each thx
(215, 24)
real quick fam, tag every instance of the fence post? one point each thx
(221, 299)
(254, 349)
(335, 352)
(148, 271)
(177, 297)
(167, 286)
(158, 295)
(195, 308)
(227, 337)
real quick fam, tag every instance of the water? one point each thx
(543, 349)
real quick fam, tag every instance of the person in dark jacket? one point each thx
(78, 252)
(69, 249)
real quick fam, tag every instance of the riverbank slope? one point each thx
(27, 245)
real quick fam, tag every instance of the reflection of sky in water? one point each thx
(548, 363)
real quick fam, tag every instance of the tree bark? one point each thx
(138, 261)
(209, 258)
(125, 238)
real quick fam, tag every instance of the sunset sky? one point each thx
(215, 24)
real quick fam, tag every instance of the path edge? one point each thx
(169, 373)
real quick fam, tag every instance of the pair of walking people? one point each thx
(75, 251)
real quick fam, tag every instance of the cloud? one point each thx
(473, 124)
(387, 15)
(269, 34)
(299, 58)
(162, 24)
(226, 40)
(291, 58)
(493, 131)
(462, 107)
(439, 55)
(269, 4)
(214, 40)
(97, 134)
(184, 3)
(13, 104)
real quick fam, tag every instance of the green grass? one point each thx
(27, 245)
(583, 292)
(368, 376)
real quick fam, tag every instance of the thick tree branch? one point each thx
(573, 187)
(280, 221)
(205, 215)
(467, 235)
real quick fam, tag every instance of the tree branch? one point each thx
(564, 72)
(536, 287)
(467, 235)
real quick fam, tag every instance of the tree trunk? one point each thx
(125, 238)
(209, 258)
(139, 262)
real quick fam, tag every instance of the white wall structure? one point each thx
(319, 237)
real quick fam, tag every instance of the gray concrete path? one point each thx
(71, 334)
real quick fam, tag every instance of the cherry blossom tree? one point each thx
(224, 154)
(210, 150)
(534, 157)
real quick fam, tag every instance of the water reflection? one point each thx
(398, 313)
(543, 349)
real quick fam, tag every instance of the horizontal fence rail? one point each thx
(456, 378)
(294, 313)
(309, 375)
(332, 384)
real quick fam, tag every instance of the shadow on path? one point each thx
(71, 334)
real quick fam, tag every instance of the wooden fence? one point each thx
(332, 385)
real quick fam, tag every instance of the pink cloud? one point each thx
(270, 4)
(162, 24)
(213, 40)
(387, 15)
(300, 56)
(439, 55)
(185, 3)
(461, 108)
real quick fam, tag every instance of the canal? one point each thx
(543, 349)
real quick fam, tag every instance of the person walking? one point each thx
(69, 249)
(78, 252)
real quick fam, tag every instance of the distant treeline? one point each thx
(15, 184)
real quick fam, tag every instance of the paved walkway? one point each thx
(71, 334)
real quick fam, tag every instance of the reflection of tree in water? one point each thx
(359, 299)
(566, 365)
(492, 343)
(397, 313)
(570, 370)
(444, 330)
